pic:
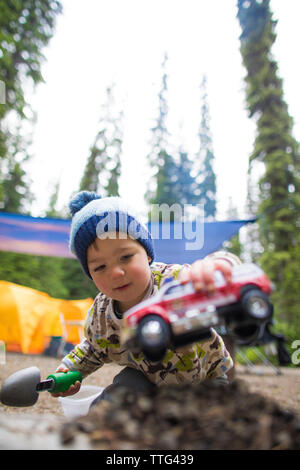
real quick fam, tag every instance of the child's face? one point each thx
(120, 269)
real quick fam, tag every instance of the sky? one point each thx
(100, 42)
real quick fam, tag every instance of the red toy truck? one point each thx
(178, 315)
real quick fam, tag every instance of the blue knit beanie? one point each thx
(92, 216)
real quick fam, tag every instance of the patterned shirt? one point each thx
(208, 359)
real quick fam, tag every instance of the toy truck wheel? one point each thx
(153, 335)
(256, 304)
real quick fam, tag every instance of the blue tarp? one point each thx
(174, 242)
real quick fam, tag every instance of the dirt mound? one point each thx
(206, 416)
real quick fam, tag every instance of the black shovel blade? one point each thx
(19, 389)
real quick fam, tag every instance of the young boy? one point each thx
(115, 250)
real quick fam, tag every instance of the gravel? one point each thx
(186, 417)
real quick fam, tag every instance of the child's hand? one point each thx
(202, 273)
(72, 389)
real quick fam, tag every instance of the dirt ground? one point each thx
(46, 403)
(257, 410)
(283, 388)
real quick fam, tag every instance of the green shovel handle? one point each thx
(63, 380)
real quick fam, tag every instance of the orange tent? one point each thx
(28, 318)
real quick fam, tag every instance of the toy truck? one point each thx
(178, 315)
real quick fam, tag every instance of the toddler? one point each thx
(116, 251)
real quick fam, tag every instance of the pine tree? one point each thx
(173, 181)
(278, 151)
(253, 248)
(205, 159)
(17, 196)
(162, 163)
(186, 187)
(26, 27)
(103, 167)
(52, 211)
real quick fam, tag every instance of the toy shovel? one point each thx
(22, 388)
